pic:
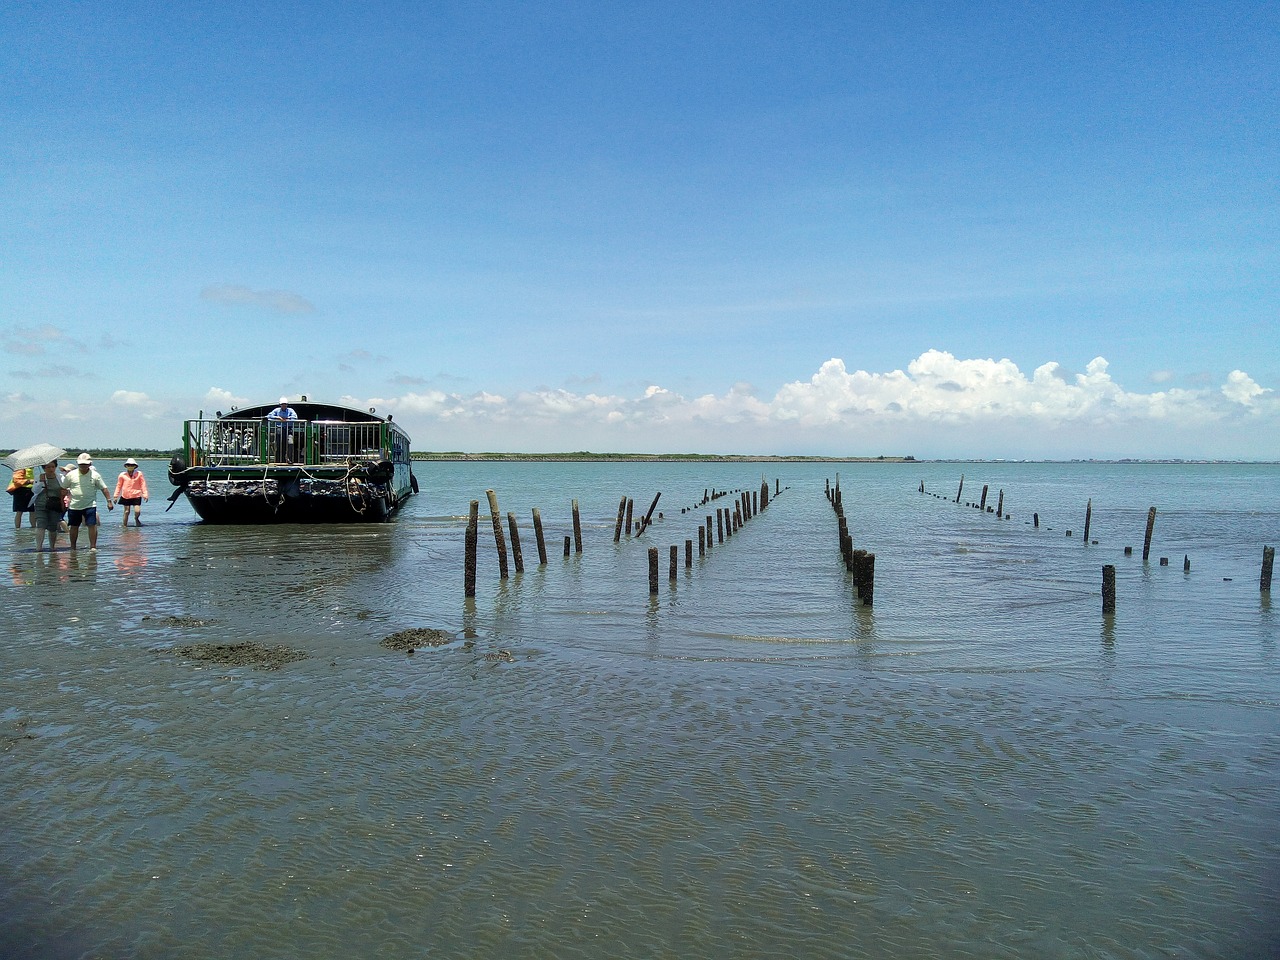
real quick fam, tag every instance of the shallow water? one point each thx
(749, 764)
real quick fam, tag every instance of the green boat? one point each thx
(332, 464)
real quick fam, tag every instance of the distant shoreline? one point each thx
(454, 456)
(646, 458)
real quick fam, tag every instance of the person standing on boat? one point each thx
(282, 430)
(21, 490)
(131, 490)
(47, 505)
(84, 485)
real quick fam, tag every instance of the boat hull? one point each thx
(290, 496)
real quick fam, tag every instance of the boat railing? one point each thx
(230, 442)
(222, 442)
(338, 441)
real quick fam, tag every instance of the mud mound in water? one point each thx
(418, 637)
(247, 654)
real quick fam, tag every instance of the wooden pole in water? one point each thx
(515, 542)
(577, 529)
(1268, 561)
(982, 504)
(863, 567)
(1035, 518)
(1146, 541)
(537, 532)
(719, 525)
(1000, 506)
(617, 527)
(648, 516)
(473, 538)
(1109, 589)
(702, 541)
(653, 570)
(961, 488)
(688, 552)
(1088, 519)
(630, 505)
(675, 562)
(708, 531)
(498, 539)
(568, 541)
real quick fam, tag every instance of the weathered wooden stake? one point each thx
(1035, 518)
(1088, 519)
(497, 533)
(568, 542)
(473, 537)
(688, 553)
(1268, 561)
(577, 528)
(653, 570)
(961, 489)
(617, 527)
(863, 567)
(708, 531)
(1186, 563)
(1109, 589)
(1000, 506)
(630, 504)
(1146, 541)
(515, 542)
(702, 541)
(982, 504)
(719, 525)
(649, 516)
(675, 562)
(537, 532)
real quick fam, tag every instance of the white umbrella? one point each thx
(33, 456)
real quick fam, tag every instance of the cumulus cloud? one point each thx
(221, 399)
(276, 301)
(1240, 388)
(973, 402)
(136, 402)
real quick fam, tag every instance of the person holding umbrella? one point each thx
(46, 502)
(84, 485)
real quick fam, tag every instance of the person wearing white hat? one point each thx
(131, 490)
(84, 485)
(282, 430)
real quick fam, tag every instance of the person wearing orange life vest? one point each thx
(131, 491)
(22, 491)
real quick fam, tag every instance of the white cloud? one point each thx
(139, 403)
(1241, 389)
(277, 301)
(940, 405)
(221, 399)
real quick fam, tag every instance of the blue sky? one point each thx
(944, 229)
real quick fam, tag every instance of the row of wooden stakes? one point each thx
(859, 563)
(1109, 570)
(727, 522)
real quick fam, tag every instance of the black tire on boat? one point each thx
(178, 465)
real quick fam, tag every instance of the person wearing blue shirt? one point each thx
(282, 430)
